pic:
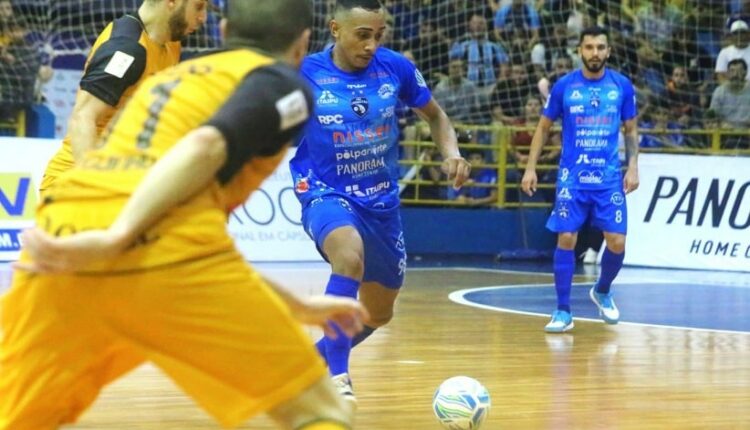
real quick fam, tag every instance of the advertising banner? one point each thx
(266, 228)
(22, 163)
(690, 212)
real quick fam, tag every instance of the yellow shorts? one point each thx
(61, 162)
(211, 324)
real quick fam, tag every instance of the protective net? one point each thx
(36, 32)
(484, 59)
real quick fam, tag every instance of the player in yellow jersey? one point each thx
(169, 286)
(129, 50)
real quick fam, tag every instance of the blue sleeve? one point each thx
(500, 55)
(457, 51)
(554, 106)
(453, 194)
(501, 16)
(414, 91)
(534, 22)
(629, 106)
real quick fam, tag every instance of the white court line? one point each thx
(675, 275)
(458, 297)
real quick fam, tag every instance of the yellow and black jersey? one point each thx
(257, 104)
(122, 57)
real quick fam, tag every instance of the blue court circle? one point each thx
(679, 305)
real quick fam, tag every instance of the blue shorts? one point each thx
(606, 207)
(381, 232)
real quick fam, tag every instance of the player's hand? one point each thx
(457, 169)
(67, 254)
(528, 183)
(324, 311)
(630, 182)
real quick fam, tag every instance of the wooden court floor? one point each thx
(597, 377)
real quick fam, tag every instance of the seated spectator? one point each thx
(457, 95)
(740, 48)
(481, 55)
(731, 100)
(651, 67)
(430, 50)
(562, 66)
(623, 56)
(430, 175)
(657, 19)
(682, 98)
(508, 97)
(556, 12)
(518, 150)
(471, 194)
(20, 64)
(555, 45)
(452, 16)
(657, 117)
(519, 52)
(520, 16)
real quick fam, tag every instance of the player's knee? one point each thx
(615, 242)
(566, 240)
(380, 318)
(348, 262)
(616, 246)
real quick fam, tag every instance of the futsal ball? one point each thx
(461, 403)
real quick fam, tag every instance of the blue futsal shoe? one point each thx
(607, 308)
(561, 321)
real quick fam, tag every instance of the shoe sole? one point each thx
(564, 329)
(599, 307)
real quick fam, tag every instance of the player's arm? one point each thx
(630, 181)
(322, 310)
(82, 129)
(444, 136)
(113, 68)
(541, 135)
(273, 102)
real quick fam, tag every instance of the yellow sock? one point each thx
(324, 425)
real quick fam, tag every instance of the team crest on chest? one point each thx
(360, 106)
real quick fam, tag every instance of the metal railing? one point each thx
(500, 144)
(17, 128)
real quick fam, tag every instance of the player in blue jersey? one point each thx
(346, 167)
(593, 103)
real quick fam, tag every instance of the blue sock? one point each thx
(364, 334)
(564, 264)
(337, 350)
(321, 346)
(611, 265)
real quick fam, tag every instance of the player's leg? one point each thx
(569, 214)
(221, 333)
(320, 407)
(332, 223)
(610, 214)
(344, 250)
(56, 354)
(385, 266)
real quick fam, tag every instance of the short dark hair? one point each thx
(270, 25)
(593, 31)
(347, 5)
(738, 61)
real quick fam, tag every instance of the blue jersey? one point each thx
(592, 112)
(350, 144)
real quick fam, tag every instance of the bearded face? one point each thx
(178, 23)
